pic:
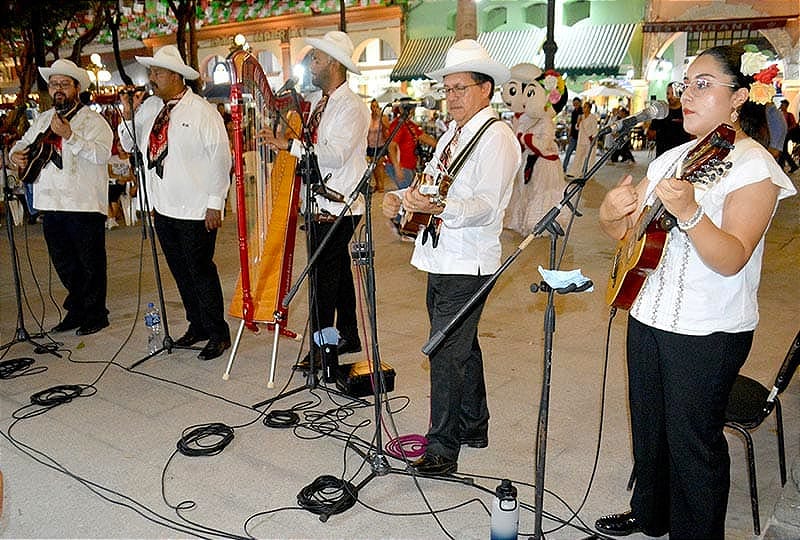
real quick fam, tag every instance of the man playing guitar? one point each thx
(71, 192)
(468, 249)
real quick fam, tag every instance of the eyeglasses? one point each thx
(64, 85)
(698, 86)
(459, 91)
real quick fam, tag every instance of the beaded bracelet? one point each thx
(692, 222)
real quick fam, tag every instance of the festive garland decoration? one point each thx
(753, 64)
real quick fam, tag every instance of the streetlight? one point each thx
(97, 71)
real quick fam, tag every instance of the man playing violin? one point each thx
(71, 192)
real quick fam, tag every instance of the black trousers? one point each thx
(189, 250)
(333, 295)
(76, 242)
(458, 390)
(679, 387)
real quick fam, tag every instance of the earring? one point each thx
(734, 116)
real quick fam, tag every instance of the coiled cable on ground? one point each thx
(194, 441)
(327, 495)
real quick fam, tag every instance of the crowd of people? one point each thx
(699, 303)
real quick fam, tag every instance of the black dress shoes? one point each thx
(69, 323)
(624, 524)
(434, 465)
(346, 346)
(93, 327)
(190, 338)
(214, 348)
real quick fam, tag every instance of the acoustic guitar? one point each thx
(411, 223)
(641, 249)
(42, 150)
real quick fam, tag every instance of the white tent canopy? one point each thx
(606, 91)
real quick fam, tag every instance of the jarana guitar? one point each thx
(42, 150)
(411, 223)
(640, 251)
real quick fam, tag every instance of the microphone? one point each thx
(655, 111)
(429, 102)
(290, 83)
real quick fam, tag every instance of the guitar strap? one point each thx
(432, 230)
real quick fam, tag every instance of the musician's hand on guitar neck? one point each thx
(61, 127)
(414, 201)
(677, 197)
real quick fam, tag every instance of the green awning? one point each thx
(592, 49)
(582, 49)
(508, 47)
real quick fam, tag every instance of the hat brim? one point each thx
(499, 73)
(335, 52)
(81, 76)
(182, 69)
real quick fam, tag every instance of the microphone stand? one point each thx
(547, 223)
(148, 231)
(21, 335)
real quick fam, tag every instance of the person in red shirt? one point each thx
(403, 148)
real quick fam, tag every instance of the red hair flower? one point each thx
(767, 74)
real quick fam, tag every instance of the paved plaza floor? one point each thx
(105, 465)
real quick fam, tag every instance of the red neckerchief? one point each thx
(158, 145)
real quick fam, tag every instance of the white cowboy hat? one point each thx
(525, 73)
(469, 55)
(338, 46)
(69, 69)
(168, 57)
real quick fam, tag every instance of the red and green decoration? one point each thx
(153, 17)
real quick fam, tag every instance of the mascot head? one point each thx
(521, 76)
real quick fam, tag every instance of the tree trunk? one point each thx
(466, 20)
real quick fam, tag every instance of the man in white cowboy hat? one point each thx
(469, 224)
(338, 128)
(71, 192)
(187, 161)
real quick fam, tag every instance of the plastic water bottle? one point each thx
(505, 512)
(152, 320)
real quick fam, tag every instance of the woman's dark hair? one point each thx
(752, 116)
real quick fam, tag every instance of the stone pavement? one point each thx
(105, 465)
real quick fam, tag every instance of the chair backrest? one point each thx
(788, 367)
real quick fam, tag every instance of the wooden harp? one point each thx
(267, 199)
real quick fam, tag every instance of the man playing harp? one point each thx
(338, 128)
